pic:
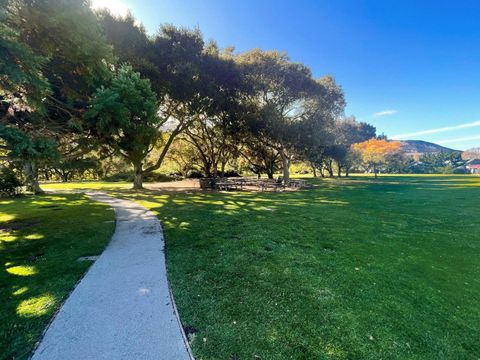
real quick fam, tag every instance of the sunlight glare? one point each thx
(116, 7)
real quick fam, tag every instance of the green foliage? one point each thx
(56, 53)
(9, 182)
(129, 176)
(280, 90)
(158, 177)
(24, 147)
(119, 176)
(435, 163)
(68, 35)
(53, 57)
(292, 111)
(66, 168)
(52, 48)
(129, 40)
(124, 116)
(20, 69)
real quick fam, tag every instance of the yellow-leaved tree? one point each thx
(375, 152)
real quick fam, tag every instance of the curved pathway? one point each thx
(122, 308)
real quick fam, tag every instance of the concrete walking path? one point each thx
(122, 308)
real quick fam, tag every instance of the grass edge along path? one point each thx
(41, 239)
(356, 269)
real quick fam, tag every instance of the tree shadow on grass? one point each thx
(331, 266)
(41, 238)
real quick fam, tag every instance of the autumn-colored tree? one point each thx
(470, 154)
(375, 152)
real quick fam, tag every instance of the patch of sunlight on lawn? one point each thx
(333, 202)
(152, 204)
(335, 351)
(34, 237)
(20, 291)
(35, 306)
(88, 185)
(184, 225)
(7, 238)
(22, 270)
(4, 217)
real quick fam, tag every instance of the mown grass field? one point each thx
(41, 238)
(86, 185)
(352, 269)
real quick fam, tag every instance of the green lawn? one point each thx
(41, 238)
(87, 185)
(352, 269)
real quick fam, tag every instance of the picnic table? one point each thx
(229, 184)
(265, 185)
(297, 183)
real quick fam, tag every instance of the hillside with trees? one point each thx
(417, 148)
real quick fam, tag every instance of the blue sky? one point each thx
(406, 67)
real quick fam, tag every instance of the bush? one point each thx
(231, 173)
(195, 175)
(158, 177)
(150, 177)
(9, 183)
(461, 170)
(121, 176)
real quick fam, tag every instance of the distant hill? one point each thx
(419, 147)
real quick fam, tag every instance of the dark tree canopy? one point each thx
(80, 88)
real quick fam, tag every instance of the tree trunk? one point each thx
(286, 167)
(222, 169)
(330, 168)
(137, 176)
(375, 171)
(207, 167)
(270, 168)
(31, 178)
(347, 171)
(314, 171)
(322, 173)
(339, 170)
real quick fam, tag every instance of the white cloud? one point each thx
(437, 130)
(385, 113)
(116, 7)
(462, 139)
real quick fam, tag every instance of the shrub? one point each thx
(158, 177)
(231, 173)
(460, 170)
(9, 183)
(121, 176)
(195, 175)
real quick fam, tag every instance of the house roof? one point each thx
(473, 162)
